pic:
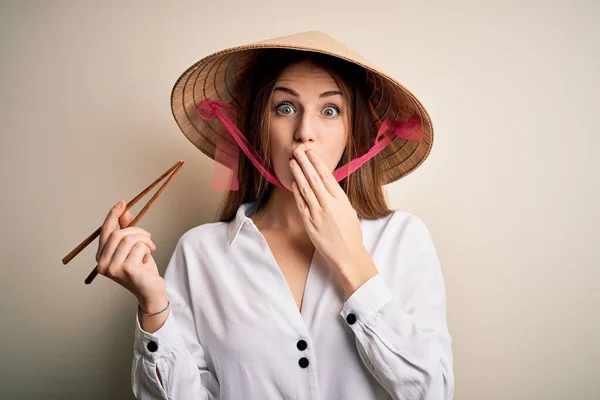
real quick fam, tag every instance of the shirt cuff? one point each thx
(165, 340)
(366, 303)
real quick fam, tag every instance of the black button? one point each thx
(303, 362)
(152, 347)
(351, 319)
(301, 345)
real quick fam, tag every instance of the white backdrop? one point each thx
(510, 191)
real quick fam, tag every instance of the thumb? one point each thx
(125, 219)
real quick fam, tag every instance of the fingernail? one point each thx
(119, 204)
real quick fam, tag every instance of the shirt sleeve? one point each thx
(174, 351)
(399, 324)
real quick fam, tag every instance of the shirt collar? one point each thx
(242, 216)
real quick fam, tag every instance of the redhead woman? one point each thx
(307, 286)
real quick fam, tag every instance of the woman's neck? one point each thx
(280, 213)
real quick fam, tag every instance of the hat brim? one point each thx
(214, 77)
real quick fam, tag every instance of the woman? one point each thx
(308, 287)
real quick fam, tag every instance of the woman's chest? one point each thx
(248, 314)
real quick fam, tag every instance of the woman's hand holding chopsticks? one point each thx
(124, 255)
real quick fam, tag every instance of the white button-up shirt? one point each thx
(235, 331)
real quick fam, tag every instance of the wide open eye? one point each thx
(331, 111)
(285, 109)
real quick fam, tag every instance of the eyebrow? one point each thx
(294, 93)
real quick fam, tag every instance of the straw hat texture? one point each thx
(215, 76)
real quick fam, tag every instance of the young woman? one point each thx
(308, 287)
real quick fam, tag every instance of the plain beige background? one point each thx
(510, 192)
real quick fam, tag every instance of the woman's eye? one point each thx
(331, 111)
(285, 109)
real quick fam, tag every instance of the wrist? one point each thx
(154, 304)
(355, 272)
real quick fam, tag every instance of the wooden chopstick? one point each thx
(174, 170)
(96, 233)
(141, 214)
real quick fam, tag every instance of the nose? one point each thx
(305, 131)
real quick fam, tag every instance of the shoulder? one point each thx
(403, 249)
(215, 235)
(193, 251)
(398, 223)
(206, 234)
(400, 234)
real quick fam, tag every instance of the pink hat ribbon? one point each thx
(225, 176)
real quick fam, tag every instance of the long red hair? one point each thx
(363, 187)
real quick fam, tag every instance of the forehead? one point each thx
(307, 75)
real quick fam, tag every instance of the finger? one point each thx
(116, 236)
(329, 181)
(123, 250)
(116, 239)
(304, 187)
(125, 219)
(109, 225)
(302, 207)
(135, 258)
(311, 175)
